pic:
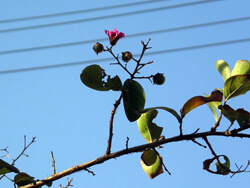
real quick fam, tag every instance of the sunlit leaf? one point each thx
(236, 85)
(7, 168)
(243, 117)
(133, 99)
(93, 77)
(151, 163)
(213, 106)
(223, 68)
(200, 100)
(170, 110)
(220, 170)
(241, 67)
(228, 112)
(149, 130)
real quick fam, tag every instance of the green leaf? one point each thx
(133, 99)
(114, 83)
(236, 85)
(149, 130)
(7, 168)
(241, 67)
(151, 163)
(200, 100)
(170, 110)
(220, 170)
(49, 184)
(224, 169)
(243, 117)
(93, 75)
(212, 106)
(228, 112)
(223, 68)
(22, 179)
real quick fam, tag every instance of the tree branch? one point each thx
(24, 149)
(135, 149)
(117, 103)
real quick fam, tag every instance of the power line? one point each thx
(136, 55)
(127, 36)
(105, 17)
(80, 11)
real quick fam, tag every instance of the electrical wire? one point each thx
(80, 11)
(136, 55)
(127, 36)
(105, 17)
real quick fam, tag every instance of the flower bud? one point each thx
(126, 56)
(98, 48)
(159, 79)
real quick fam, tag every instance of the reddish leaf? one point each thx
(200, 100)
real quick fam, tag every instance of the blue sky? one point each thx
(72, 120)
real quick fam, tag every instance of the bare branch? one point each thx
(198, 143)
(5, 149)
(24, 149)
(135, 149)
(117, 103)
(53, 163)
(127, 142)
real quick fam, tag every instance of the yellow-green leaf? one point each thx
(151, 163)
(236, 85)
(241, 67)
(149, 130)
(223, 68)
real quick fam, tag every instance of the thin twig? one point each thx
(68, 184)
(217, 123)
(127, 142)
(25, 147)
(117, 103)
(5, 149)
(198, 143)
(53, 162)
(164, 166)
(89, 171)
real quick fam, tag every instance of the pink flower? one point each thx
(114, 36)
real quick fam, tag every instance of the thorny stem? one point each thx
(117, 103)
